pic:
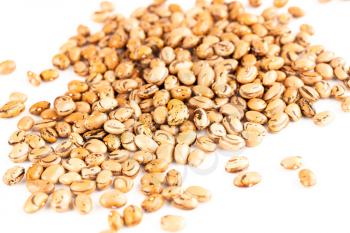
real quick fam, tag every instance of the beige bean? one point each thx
(90, 173)
(206, 144)
(115, 221)
(152, 203)
(69, 177)
(185, 201)
(83, 187)
(200, 119)
(74, 164)
(280, 3)
(231, 109)
(173, 178)
(146, 143)
(130, 168)
(11, 109)
(201, 102)
(35, 202)
(51, 159)
(132, 215)
(278, 122)
(119, 155)
(83, 203)
(37, 154)
(186, 77)
(160, 115)
(256, 117)
(156, 165)
(37, 185)
(216, 131)
(104, 179)
(237, 164)
(19, 152)
(306, 108)
(143, 157)
(95, 146)
(33, 78)
(53, 173)
(181, 153)
(112, 199)
(64, 105)
(172, 223)
(323, 88)
(231, 142)
(307, 178)
(39, 107)
(34, 171)
(296, 12)
(322, 118)
(251, 90)
(187, 137)
(170, 192)
(64, 148)
(196, 158)
(274, 107)
(309, 93)
(198, 192)
(247, 179)
(34, 141)
(293, 111)
(257, 104)
(114, 127)
(163, 137)
(61, 200)
(165, 152)
(151, 186)
(7, 67)
(13, 175)
(345, 104)
(247, 74)
(49, 75)
(252, 137)
(25, 123)
(292, 162)
(18, 97)
(123, 184)
(17, 137)
(49, 135)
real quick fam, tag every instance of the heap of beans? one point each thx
(151, 83)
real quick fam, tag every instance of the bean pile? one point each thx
(167, 85)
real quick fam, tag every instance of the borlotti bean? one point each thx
(167, 86)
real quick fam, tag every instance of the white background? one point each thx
(33, 30)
